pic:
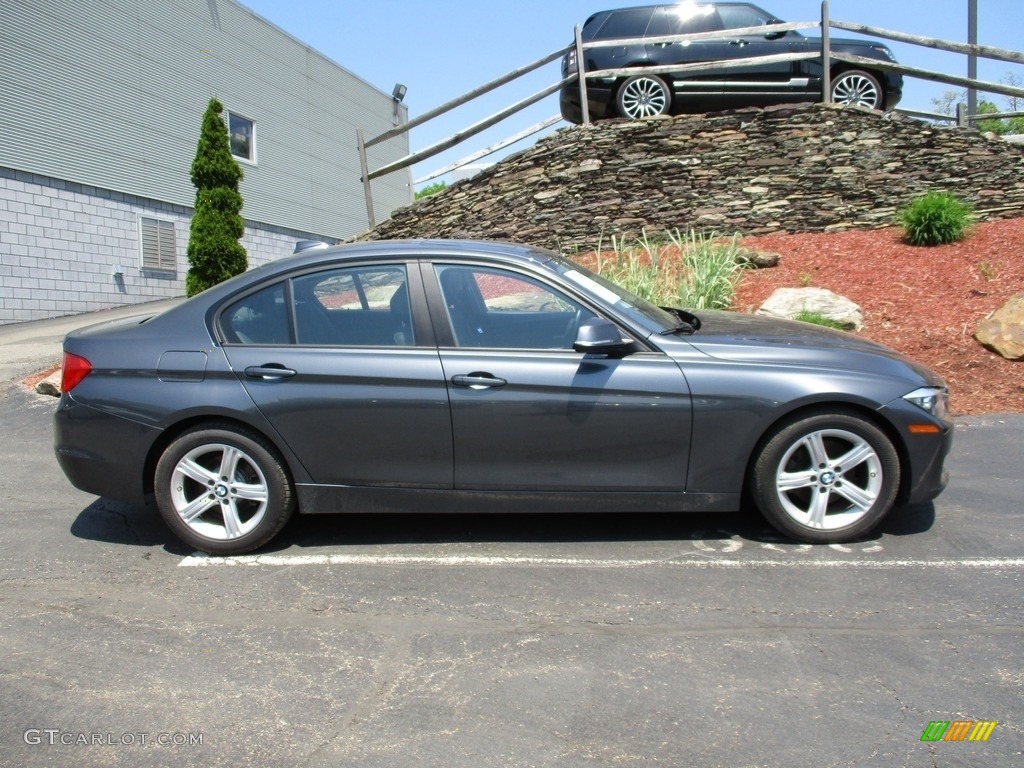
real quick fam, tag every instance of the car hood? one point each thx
(738, 337)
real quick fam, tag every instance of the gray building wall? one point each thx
(100, 114)
(60, 243)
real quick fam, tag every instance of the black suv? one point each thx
(645, 95)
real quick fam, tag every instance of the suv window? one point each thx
(629, 22)
(684, 20)
(739, 16)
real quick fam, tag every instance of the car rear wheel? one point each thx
(826, 478)
(223, 490)
(857, 87)
(644, 96)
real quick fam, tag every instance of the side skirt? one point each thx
(318, 499)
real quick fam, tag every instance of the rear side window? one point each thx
(629, 22)
(259, 318)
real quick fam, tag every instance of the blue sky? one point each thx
(442, 48)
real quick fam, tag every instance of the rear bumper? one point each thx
(101, 453)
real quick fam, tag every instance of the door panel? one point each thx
(355, 400)
(556, 421)
(356, 416)
(530, 414)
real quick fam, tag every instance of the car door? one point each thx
(340, 366)
(531, 414)
(761, 82)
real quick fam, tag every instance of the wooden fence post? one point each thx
(826, 55)
(365, 169)
(581, 74)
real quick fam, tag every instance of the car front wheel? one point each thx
(857, 87)
(223, 489)
(826, 478)
(644, 96)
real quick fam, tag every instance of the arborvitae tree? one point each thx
(214, 253)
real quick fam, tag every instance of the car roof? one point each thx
(493, 250)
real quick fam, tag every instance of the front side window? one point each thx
(242, 137)
(739, 16)
(501, 309)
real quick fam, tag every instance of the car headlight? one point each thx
(935, 400)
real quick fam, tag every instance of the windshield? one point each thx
(637, 309)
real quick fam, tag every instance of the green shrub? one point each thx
(431, 189)
(935, 219)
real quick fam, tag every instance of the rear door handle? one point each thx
(478, 381)
(269, 372)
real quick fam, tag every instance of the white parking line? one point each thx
(199, 559)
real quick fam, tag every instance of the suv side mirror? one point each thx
(601, 336)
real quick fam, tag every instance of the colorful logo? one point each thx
(958, 730)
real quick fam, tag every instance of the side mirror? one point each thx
(601, 336)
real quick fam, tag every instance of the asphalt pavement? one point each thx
(497, 640)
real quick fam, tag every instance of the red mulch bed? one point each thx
(924, 302)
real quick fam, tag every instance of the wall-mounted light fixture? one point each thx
(397, 96)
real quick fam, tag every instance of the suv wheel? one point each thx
(857, 87)
(644, 96)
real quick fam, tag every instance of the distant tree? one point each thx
(1014, 103)
(214, 253)
(946, 103)
(431, 189)
(992, 125)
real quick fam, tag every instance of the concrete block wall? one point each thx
(59, 242)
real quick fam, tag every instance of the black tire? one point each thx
(800, 483)
(855, 86)
(223, 489)
(643, 96)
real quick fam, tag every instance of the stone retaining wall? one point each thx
(802, 168)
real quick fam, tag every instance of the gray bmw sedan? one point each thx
(452, 376)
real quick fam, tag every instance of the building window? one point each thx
(242, 136)
(158, 246)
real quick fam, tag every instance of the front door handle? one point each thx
(269, 372)
(478, 380)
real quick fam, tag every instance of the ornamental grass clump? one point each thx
(936, 218)
(692, 270)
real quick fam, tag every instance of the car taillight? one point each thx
(569, 64)
(75, 369)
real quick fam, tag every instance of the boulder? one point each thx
(790, 302)
(1003, 331)
(755, 259)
